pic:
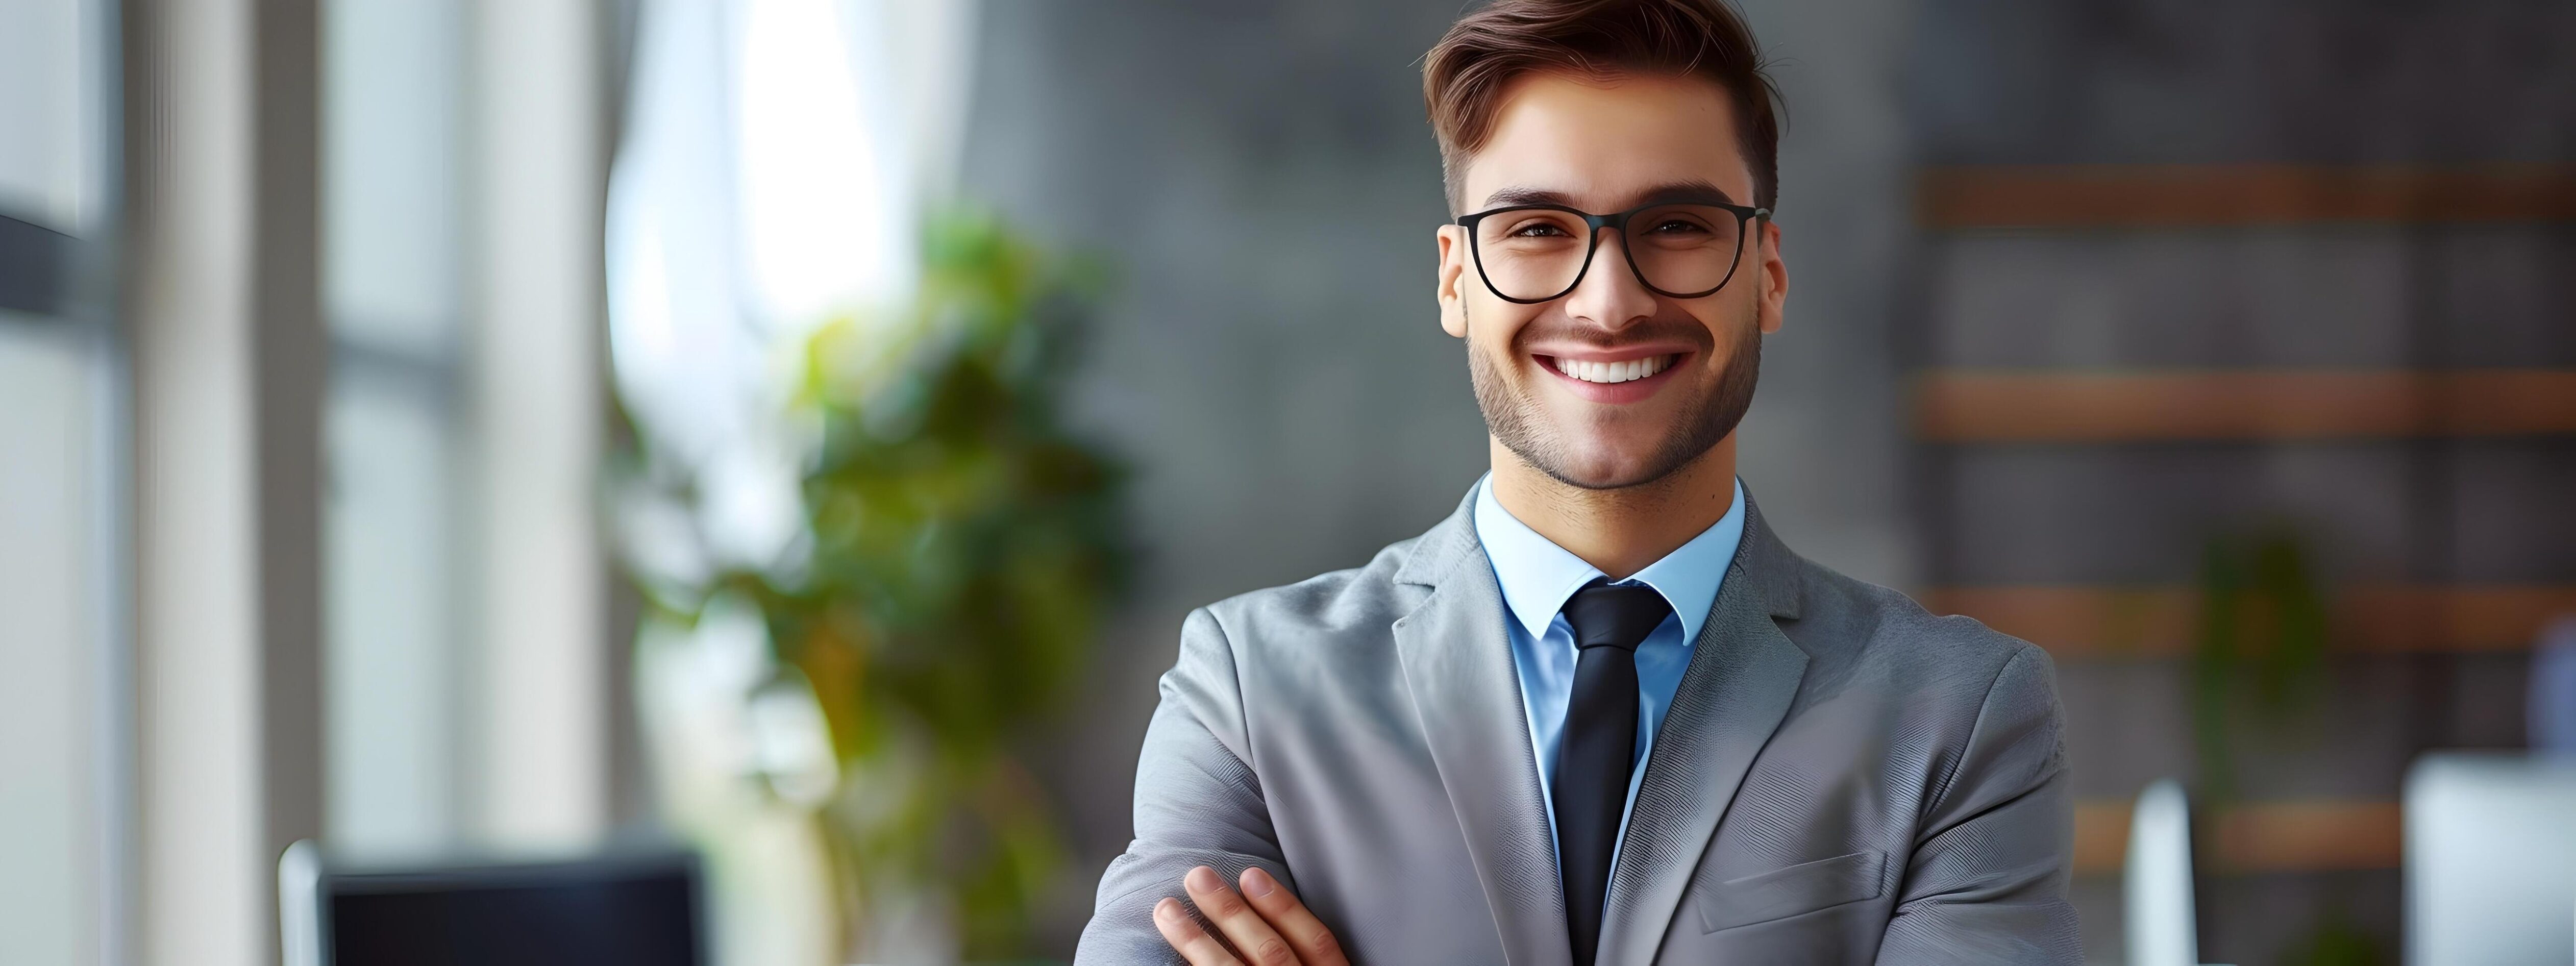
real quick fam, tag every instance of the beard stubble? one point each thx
(1514, 418)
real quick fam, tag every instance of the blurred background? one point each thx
(794, 429)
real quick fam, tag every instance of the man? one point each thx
(1600, 714)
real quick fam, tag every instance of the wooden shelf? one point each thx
(2256, 837)
(1974, 406)
(2076, 622)
(2184, 196)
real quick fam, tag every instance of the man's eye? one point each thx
(1539, 229)
(1677, 226)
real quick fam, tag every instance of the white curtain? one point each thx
(778, 156)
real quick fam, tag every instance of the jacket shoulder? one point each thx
(1363, 598)
(1854, 622)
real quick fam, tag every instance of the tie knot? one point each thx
(1615, 616)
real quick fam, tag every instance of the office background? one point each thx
(2224, 349)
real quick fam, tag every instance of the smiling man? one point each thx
(1601, 714)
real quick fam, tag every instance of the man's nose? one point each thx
(1609, 294)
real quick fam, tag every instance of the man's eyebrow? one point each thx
(1670, 192)
(1681, 191)
(1507, 197)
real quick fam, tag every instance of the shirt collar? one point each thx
(1537, 576)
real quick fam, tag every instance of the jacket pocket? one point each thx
(1781, 893)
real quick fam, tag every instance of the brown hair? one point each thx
(1464, 75)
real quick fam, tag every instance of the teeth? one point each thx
(1613, 371)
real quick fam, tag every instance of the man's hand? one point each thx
(1268, 925)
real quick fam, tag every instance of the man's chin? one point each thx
(1606, 470)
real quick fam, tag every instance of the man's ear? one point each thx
(1453, 269)
(1775, 278)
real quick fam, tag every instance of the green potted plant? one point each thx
(962, 547)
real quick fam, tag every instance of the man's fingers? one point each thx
(1314, 944)
(1242, 925)
(1185, 935)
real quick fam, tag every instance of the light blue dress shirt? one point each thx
(1538, 577)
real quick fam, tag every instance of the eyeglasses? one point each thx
(1538, 253)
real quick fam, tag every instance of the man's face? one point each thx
(1606, 147)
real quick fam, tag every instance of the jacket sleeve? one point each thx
(1198, 803)
(1987, 880)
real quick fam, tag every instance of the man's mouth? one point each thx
(1608, 372)
(1615, 381)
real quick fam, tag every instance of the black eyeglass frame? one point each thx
(1618, 221)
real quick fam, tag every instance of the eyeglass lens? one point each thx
(1539, 253)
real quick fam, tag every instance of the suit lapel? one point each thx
(1742, 677)
(1458, 666)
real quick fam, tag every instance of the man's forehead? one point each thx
(1605, 144)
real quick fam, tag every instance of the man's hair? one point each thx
(1464, 76)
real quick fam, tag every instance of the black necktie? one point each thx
(1600, 741)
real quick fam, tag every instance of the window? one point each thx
(392, 282)
(61, 681)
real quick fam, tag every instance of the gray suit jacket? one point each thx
(1842, 777)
